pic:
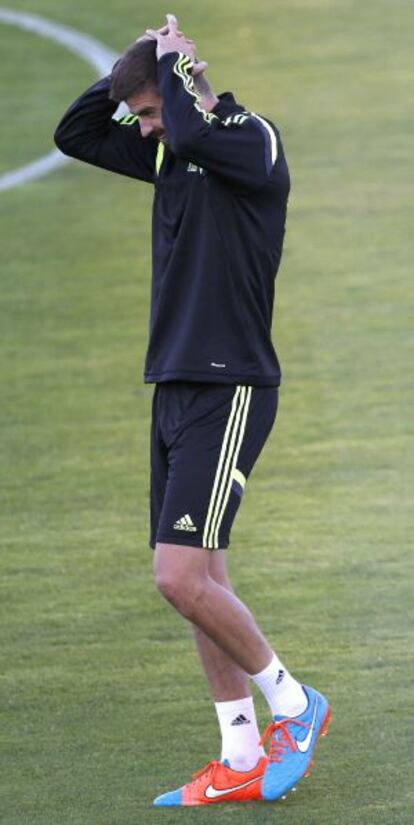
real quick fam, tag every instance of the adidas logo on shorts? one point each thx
(185, 523)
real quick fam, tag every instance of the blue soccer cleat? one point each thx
(292, 743)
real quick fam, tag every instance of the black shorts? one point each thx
(205, 439)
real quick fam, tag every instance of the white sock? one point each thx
(284, 695)
(240, 734)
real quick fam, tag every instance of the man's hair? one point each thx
(135, 71)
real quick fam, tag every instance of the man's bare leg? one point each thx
(182, 576)
(230, 644)
(230, 688)
(228, 682)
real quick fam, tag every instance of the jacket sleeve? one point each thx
(242, 148)
(89, 132)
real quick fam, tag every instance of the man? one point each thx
(221, 189)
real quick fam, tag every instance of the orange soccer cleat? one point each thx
(217, 782)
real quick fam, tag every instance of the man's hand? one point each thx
(169, 39)
(152, 36)
(156, 34)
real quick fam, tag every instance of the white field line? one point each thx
(95, 53)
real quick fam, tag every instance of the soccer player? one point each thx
(221, 189)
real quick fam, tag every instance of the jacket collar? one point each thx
(226, 104)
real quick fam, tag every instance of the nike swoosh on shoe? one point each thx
(213, 793)
(304, 744)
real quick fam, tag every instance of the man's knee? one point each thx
(183, 594)
(184, 589)
(168, 585)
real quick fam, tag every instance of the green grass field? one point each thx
(103, 703)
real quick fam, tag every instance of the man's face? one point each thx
(147, 105)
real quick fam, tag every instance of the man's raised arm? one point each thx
(242, 147)
(89, 132)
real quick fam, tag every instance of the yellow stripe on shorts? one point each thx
(229, 454)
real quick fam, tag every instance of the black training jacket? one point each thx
(221, 190)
